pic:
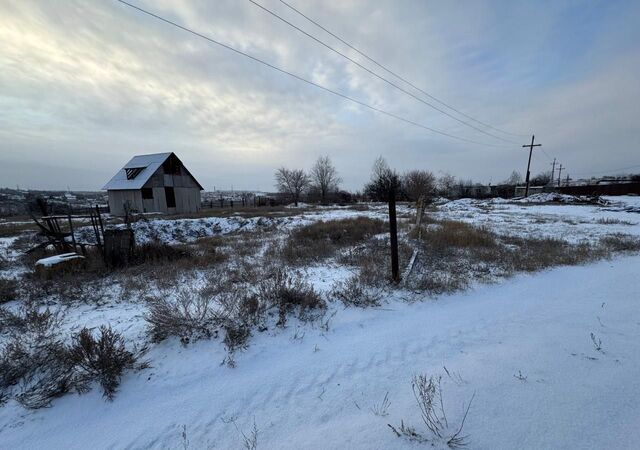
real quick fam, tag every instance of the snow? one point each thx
(57, 259)
(571, 222)
(188, 230)
(310, 386)
(318, 391)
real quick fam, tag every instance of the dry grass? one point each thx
(621, 243)
(373, 260)
(9, 229)
(8, 289)
(321, 240)
(453, 254)
(446, 235)
(612, 221)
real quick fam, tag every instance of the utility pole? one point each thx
(526, 189)
(559, 174)
(553, 171)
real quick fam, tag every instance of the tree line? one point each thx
(322, 183)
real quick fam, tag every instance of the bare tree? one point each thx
(292, 182)
(324, 177)
(419, 184)
(514, 179)
(384, 183)
(542, 179)
(446, 184)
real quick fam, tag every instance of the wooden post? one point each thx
(559, 174)
(73, 237)
(526, 189)
(393, 235)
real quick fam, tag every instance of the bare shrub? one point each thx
(9, 320)
(29, 320)
(188, 315)
(290, 294)
(237, 333)
(354, 292)
(36, 365)
(428, 394)
(34, 357)
(102, 359)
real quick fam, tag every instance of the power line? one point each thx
(299, 78)
(546, 154)
(605, 171)
(386, 80)
(386, 69)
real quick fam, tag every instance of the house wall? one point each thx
(117, 200)
(185, 188)
(187, 199)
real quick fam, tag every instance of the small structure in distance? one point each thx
(158, 182)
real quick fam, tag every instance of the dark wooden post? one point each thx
(393, 235)
(73, 237)
(526, 189)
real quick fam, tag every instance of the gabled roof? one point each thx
(149, 165)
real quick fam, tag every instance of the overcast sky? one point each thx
(85, 85)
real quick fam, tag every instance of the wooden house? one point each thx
(154, 183)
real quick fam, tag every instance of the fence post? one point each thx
(393, 232)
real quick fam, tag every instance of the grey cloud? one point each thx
(87, 84)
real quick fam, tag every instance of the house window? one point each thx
(133, 172)
(147, 193)
(170, 196)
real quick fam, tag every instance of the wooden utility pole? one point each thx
(393, 235)
(526, 189)
(553, 171)
(559, 174)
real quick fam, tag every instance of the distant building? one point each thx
(154, 183)
(520, 190)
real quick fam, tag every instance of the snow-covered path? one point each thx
(317, 390)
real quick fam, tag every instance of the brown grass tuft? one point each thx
(321, 240)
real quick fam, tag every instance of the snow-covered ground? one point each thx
(188, 230)
(522, 346)
(570, 222)
(319, 391)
